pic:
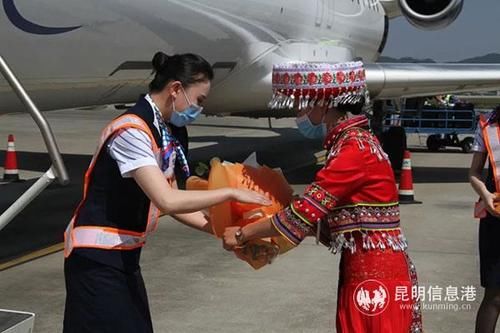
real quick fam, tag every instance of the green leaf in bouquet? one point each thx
(201, 169)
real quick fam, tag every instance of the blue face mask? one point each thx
(186, 117)
(310, 131)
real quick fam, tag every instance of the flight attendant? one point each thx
(352, 205)
(131, 179)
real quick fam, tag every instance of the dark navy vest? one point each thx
(114, 201)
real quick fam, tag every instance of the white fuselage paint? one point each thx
(242, 38)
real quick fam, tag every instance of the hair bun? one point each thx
(160, 60)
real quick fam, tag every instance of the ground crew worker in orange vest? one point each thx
(487, 148)
(130, 180)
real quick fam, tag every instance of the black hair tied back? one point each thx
(187, 68)
(160, 59)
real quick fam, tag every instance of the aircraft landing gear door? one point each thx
(325, 13)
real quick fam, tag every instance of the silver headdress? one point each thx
(305, 85)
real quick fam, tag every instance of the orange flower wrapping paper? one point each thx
(269, 182)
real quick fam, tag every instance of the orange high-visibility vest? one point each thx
(491, 136)
(110, 238)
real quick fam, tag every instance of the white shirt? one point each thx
(478, 146)
(131, 148)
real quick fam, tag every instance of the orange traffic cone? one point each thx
(406, 192)
(11, 173)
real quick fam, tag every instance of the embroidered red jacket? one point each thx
(354, 191)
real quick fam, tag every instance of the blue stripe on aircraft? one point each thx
(20, 22)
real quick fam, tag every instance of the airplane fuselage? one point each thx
(77, 53)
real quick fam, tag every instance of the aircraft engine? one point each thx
(431, 14)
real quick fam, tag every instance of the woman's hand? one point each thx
(489, 202)
(250, 197)
(229, 241)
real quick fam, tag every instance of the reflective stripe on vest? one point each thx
(491, 135)
(106, 237)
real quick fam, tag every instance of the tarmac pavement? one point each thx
(196, 286)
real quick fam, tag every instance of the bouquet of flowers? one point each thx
(251, 176)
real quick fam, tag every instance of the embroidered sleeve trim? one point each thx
(279, 227)
(321, 197)
(302, 218)
(290, 225)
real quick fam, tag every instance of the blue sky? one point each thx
(476, 32)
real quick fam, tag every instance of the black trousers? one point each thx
(101, 298)
(489, 252)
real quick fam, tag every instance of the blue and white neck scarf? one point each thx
(170, 144)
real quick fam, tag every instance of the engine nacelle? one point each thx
(431, 14)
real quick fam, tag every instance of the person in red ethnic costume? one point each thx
(352, 205)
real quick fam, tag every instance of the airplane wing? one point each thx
(391, 80)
